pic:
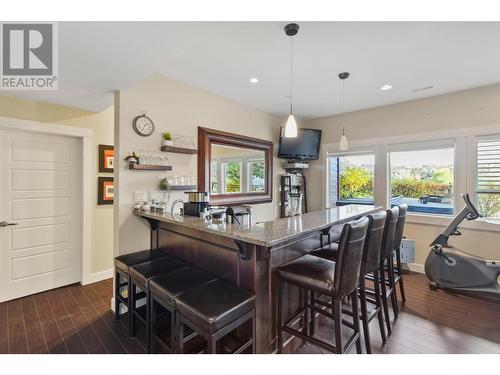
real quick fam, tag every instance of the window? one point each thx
(237, 175)
(423, 179)
(214, 174)
(427, 172)
(488, 176)
(255, 175)
(351, 179)
(231, 172)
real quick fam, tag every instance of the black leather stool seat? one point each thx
(142, 273)
(214, 305)
(168, 286)
(327, 252)
(123, 262)
(310, 272)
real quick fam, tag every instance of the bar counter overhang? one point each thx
(249, 256)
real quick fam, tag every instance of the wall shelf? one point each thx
(179, 150)
(184, 187)
(149, 167)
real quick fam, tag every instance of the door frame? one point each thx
(85, 136)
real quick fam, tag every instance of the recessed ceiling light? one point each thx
(254, 80)
(386, 87)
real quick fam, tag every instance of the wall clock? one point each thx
(143, 125)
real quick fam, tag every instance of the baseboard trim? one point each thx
(415, 267)
(99, 276)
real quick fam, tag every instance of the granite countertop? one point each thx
(272, 232)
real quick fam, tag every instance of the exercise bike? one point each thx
(451, 269)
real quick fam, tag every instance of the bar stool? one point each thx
(398, 239)
(140, 276)
(122, 277)
(164, 289)
(369, 265)
(387, 281)
(336, 280)
(214, 310)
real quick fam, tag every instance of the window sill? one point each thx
(444, 220)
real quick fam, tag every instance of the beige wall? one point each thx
(466, 109)
(102, 126)
(178, 108)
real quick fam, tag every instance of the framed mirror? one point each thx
(235, 169)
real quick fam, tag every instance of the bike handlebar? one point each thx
(474, 213)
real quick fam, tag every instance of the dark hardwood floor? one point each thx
(78, 319)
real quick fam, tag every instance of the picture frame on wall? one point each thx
(105, 190)
(106, 158)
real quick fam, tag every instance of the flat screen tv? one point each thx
(304, 147)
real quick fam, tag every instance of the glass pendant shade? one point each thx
(291, 127)
(344, 144)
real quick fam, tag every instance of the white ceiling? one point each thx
(97, 58)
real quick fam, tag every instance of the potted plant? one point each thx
(163, 184)
(167, 139)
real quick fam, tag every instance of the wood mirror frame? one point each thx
(207, 137)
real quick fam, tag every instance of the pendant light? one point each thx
(291, 125)
(343, 144)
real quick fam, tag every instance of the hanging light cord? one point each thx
(291, 75)
(343, 100)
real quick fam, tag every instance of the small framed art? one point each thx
(105, 190)
(106, 158)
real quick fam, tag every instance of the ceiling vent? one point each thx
(423, 88)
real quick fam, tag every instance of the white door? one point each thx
(40, 194)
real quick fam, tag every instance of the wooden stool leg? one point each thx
(312, 327)
(254, 332)
(384, 297)
(280, 316)
(307, 326)
(117, 292)
(179, 333)
(173, 335)
(148, 321)
(211, 345)
(131, 307)
(364, 314)
(337, 322)
(376, 287)
(152, 322)
(400, 271)
(355, 319)
(394, 299)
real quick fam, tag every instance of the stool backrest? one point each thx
(350, 256)
(373, 243)
(398, 238)
(389, 231)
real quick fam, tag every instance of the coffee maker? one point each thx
(196, 203)
(293, 194)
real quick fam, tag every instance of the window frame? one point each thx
(464, 169)
(425, 146)
(248, 161)
(223, 162)
(347, 154)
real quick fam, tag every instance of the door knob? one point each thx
(4, 223)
